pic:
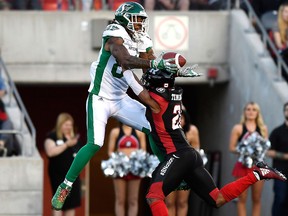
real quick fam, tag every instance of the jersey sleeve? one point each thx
(145, 43)
(52, 135)
(273, 139)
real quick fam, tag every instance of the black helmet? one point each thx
(155, 78)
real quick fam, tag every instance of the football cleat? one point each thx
(60, 197)
(263, 171)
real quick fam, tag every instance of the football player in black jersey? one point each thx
(180, 161)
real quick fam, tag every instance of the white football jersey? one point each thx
(107, 79)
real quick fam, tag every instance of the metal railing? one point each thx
(26, 124)
(268, 43)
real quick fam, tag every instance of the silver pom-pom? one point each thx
(152, 163)
(140, 163)
(118, 165)
(252, 149)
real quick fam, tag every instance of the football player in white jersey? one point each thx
(111, 75)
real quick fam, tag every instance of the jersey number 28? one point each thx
(177, 118)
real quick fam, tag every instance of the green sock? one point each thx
(153, 146)
(82, 158)
(155, 149)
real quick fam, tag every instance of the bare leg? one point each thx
(70, 212)
(133, 192)
(120, 196)
(256, 198)
(170, 201)
(56, 213)
(241, 204)
(182, 202)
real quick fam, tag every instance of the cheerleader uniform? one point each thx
(127, 141)
(240, 169)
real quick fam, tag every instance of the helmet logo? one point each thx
(122, 9)
(160, 90)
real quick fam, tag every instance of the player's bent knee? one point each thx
(98, 145)
(94, 144)
(146, 131)
(93, 147)
(152, 200)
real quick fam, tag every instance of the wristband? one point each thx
(132, 82)
(152, 63)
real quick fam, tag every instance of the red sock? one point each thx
(159, 208)
(234, 189)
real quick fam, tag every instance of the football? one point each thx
(180, 60)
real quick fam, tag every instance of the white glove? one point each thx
(164, 64)
(189, 72)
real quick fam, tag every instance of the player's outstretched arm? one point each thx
(145, 97)
(140, 91)
(119, 51)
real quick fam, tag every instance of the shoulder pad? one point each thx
(115, 30)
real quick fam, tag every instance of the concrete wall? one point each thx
(21, 186)
(65, 37)
(49, 45)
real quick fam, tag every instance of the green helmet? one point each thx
(127, 15)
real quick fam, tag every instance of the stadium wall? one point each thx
(54, 47)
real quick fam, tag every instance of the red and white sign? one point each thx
(171, 32)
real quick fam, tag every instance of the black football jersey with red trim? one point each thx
(166, 128)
